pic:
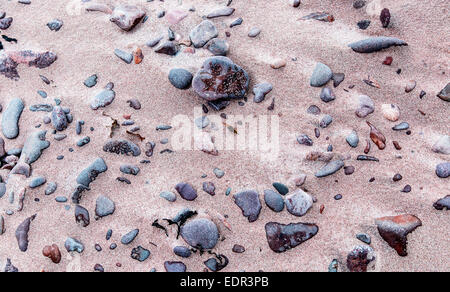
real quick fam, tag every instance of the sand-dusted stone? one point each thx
(22, 233)
(10, 118)
(361, 259)
(260, 90)
(203, 33)
(104, 206)
(366, 106)
(444, 94)
(122, 147)
(283, 237)
(59, 118)
(225, 11)
(330, 168)
(129, 237)
(274, 200)
(220, 78)
(175, 16)
(127, 16)
(394, 230)
(104, 98)
(33, 147)
(443, 170)
(442, 145)
(442, 204)
(201, 233)
(186, 191)
(249, 203)
(375, 44)
(73, 245)
(353, 139)
(321, 75)
(299, 203)
(87, 176)
(174, 267)
(218, 47)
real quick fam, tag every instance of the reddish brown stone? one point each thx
(377, 137)
(360, 258)
(283, 237)
(53, 253)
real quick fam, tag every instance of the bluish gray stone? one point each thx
(91, 81)
(83, 141)
(104, 206)
(218, 47)
(174, 267)
(2, 189)
(401, 126)
(202, 33)
(124, 56)
(130, 169)
(59, 118)
(103, 98)
(140, 254)
(61, 199)
(37, 182)
(218, 172)
(182, 251)
(327, 95)
(443, 170)
(224, 11)
(200, 232)
(10, 118)
(55, 24)
(180, 78)
(41, 107)
(330, 168)
(353, 139)
(236, 22)
(254, 32)
(260, 90)
(33, 147)
(375, 44)
(202, 122)
(299, 203)
(91, 172)
(326, 121)
(186, 191)
(364, 238)
(321, 75)
(274, 200)
(129, 237)
(51, 188)
(169, 196)
(249, 203)
(73, 244)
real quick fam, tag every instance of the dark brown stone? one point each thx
(283, 237)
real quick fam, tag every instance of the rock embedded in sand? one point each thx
(281, 237)
(124, 56)
(2, 225)
(174, 267)
(443, 170)
(169, 196)
(400, 127)
(410, 86)
(182, 251)
(260, 90)
(59, 119)
(22, 233)
(82, 216)
(375, 44)
(104, 97)
(330, 168)
(277, 63)
(220, 78)
(274, 200)
(33, 147)
(186, 191)
(249, 203)
(55, 24)
(130, 169)
(5, 23)
(304, 140)
(377, 137)
(52, 252)
(361, 259)
(218, 47)
(299, 203)
(37, 182)
(87, 176)
(394, 230)
(168, 48)
(337, 78)
(180, 78)
(325, 121)
(444, 94)
(442, 204)
(391, 112)
(442, 145)
(363, 24)
(140, 254)
(122, 147)
(366, 106)
(129, 237)
(200, 233)
(209, 188)
(91, 81)
(254, 32)
(203, 33)
(385, 17)
(281, 188)
(353, 139)
(225, 11)
(327, 95)
(321, 75)
(10, 118)
(127, 16)
(237, 22)
(104, 206)
(73, 245)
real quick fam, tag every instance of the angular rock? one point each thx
(104, 207)
(73, 245)
(127, 16)
(444, 94)
(366, 106)
(249, 203)
(55, 24)
(124, 56)
(140, 254)
(281, 237)
(168, 48)
(327, 95)
(299, 203)
(442, 145)
(5, 23)
(260, 90)
(59, 119)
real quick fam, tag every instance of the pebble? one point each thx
(443, 170)
(5, 23)
(37, 182)
(441, 204)
(33, 147)
(129, 237)
(349, 170)
(104, 207)
(361, 259)
(281, 188)
(391, 112)
(61, 199)
(82, 216)
(338, 197)
(152, 43)
(304, 140)
(281, 237)
(130, 169)
(59, 118)
(218, 47)
(182, 251)
(140, 254)
(186, 191)
(203, 33)
(249, 203)
(55, 24)
(220, 78)
(385, 17)
(254, 32)
(394, 230)
(86, 176)
(180, 78)
(174, 267)
(330, 168)
(2, 189)
(321, 75)
(366, 106)
(364, 238)
(127, 16)
(274, 200)
(103, 98)
(294, 3)
(277, 63)
(168, 48)
(218, 173)
(400, 127)
(10, 118)
(375, 44)
(397, 177)
(377, 137)
(410, 86)
(442, 145)
(169, 196)
(357, 4)
(325, 121)
(225, 11)
(175, 16)
(209, 188)
(83, 141)
(236, 22)
(91, 81)
(363, 24)
(73, 244)
(200, 232)
(2, 225)
(314, 110)
(444, 94)
(202, 122)
(327, 95)
(353, 139)
(52, 252)
(299, 203)
(42, 93)
(124, 56)
(406, 189)
(337, 78)
(122, 147)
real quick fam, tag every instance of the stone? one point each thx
(281, 237)
(202, 122)
(175, 16)
(225, 11)
(186, 191)
(52, 252)
(299, 203)
(10, 118)
(37, 182)
(277, 63)
(281, 188)
(236, 22)
(169, 196)
(59, 119)
(174, 267)
(104, 207)
(129, 237)
(22, 233)
(352, 139)
(364, 238)
(375, 44)
(254, 32)
(249, 203)
(218, 47)
(330, 168)
(410, 86)
(220, 78)
(304, 140)
(321, 75)
(357, 4)
(203, 33)
(444, 94)
(201, 233)
(124, 147)
(337, 78)
(442, 204)
(73, 245)
(361, 259)
(377, 137)
(218, 172)
(127, 16)
(168, 48)
(129, 169)
(260, 90)
(391, 112)
(55, 24)
(366, 106)
(82, 216)
(443, 170)
(33, 147)
(327, 95)
(5, 23)
(180, 78)
(209, 188)
(394, 230)
(400, 127)
(274, 200)
(124, 56)
(363, 24)
(87, 176)
(385, 17)
(140, 254)
(442, 145)
(182, 251)
(325, 121)
(103, 98)
(91, 81)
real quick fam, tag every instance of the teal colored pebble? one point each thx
(281, 188)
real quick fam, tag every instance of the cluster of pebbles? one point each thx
(218, 82)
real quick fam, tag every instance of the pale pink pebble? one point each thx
(175, 16)
(189, 51)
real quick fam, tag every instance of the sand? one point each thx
(85, 46)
